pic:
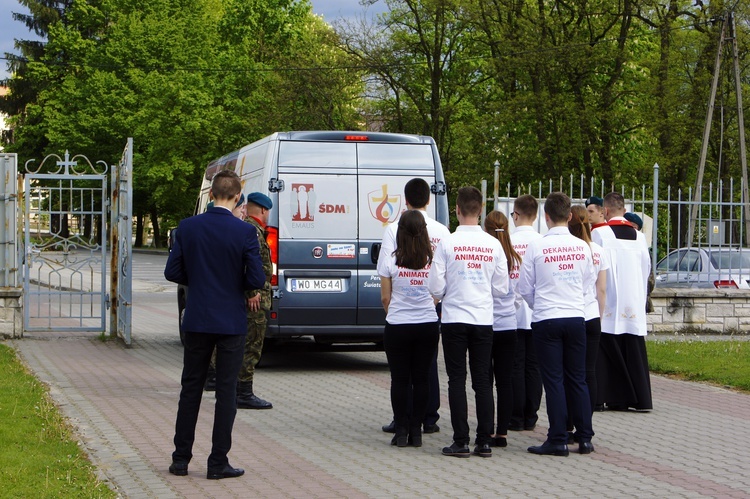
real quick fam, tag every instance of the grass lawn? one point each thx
(38, 455)
(725, 363)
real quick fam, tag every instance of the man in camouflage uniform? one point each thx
(258, 305)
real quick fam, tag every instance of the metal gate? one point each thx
(121, 243)
(65, 250)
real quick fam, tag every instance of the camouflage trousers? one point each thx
(256, 332)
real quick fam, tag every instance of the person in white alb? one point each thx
(417, 196)
(527, 382)
(411, 330)
(468, 270)
(622, 367)
(594, 297)
(556, 270)
(595, 211)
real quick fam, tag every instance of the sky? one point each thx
(331, 10)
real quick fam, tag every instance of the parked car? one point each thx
(707, 267)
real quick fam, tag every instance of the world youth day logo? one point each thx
(384, 207)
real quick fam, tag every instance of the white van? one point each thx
(333, 194)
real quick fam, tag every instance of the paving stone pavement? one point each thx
(323, 438)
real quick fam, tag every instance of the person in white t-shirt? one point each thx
(595, 298)
(417, 196)
(555, 272)
(527, 382)
(504, 329)
(468, 270)
(411, 330)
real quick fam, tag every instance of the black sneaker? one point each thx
(457, 450)
(483, 450)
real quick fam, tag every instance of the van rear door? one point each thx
(384, 169)
(337, 199)
(318, 215)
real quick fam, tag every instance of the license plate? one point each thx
(316, 285)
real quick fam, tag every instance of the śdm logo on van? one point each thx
(384, 207)
(303, 197)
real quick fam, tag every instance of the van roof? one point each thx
(353, 136)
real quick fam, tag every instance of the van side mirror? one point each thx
(438, 188)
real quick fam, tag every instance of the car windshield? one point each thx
(728, 260)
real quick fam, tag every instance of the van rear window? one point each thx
(318, 154)
(370, 156)
(396, 156)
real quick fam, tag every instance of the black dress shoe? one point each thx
(415, 440)
(585, 448)
(515, 427)
(483, 450)
(529, 427)
(179, 469)
(430, 428)
(456, 450)
(400, 440)
(547, 449)
(499, 441)
(253, 402)
(390, 427)
(226, 472)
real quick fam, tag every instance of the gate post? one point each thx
(121, 245)
(11, 308)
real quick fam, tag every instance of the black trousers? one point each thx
(527, 382)
(458, 339)
(503, 350)
(561, 349)
(197, 357)
(593, 335)
(410, 349)
(622, 372)
(431, 415)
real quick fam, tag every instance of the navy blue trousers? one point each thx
(197, 356)
(561, 350)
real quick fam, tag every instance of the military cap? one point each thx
(634, 219)
(595, 200)
(260, 199)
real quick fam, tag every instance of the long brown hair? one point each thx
(413, 248)
(579, 223)
(496, 224)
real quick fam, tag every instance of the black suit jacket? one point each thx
(217, 255)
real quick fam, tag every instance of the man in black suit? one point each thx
(216, 254)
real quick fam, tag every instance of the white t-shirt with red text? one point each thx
(411, 301)
(468, 270)
(556, 270)
(435, 230)
(520, 239)
(601, 263)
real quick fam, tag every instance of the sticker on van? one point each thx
(303, 198)
(384, 207)
(341, 251)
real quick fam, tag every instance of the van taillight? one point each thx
(272, 237)
(725, 284)
(356, 137)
